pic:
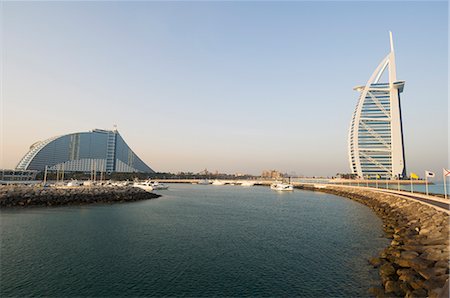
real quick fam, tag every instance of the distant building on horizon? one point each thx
(100, 150)
(375, 141)
(271, 174)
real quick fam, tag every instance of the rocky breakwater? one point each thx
(27, 196)
(416, 263)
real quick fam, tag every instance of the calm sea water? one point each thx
(194, 241)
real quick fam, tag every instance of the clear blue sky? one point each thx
(228, 86)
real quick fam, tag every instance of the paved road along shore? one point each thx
(431, 201)
(440, 203)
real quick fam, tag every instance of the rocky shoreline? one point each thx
(20, 196)
(416, 263)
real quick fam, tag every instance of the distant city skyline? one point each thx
(228, 86)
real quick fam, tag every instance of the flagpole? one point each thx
(426, 182)
(45, 176)
(412, 190)
(376, 181)
(398, 184)
(445, 184)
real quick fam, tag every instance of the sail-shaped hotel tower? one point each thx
(376, 135)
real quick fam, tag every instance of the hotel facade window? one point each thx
(375, 140)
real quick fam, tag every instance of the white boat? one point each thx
(74, 183)
(247, 183)
(146, 185)
(204, 182)
(282, 186)
(117, 183)
(88, 183)
(158, 186)
(218, 182)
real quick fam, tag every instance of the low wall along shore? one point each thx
(416, 263)
(27, 196)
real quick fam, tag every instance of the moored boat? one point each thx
(282, 186)
(159, 186)
(73, 183)
(146, 185)
(218, 182)
(204, 182)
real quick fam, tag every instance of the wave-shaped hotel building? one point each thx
(376, 147)
(100, 150)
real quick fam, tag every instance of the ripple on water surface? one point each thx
(194, 241)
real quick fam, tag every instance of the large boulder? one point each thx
(393, 287)
(387, 269)
(416, 263)
(409, 254)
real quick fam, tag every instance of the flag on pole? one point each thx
(414, 176)
(378, 176)
(446, 172)
(429, 174)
